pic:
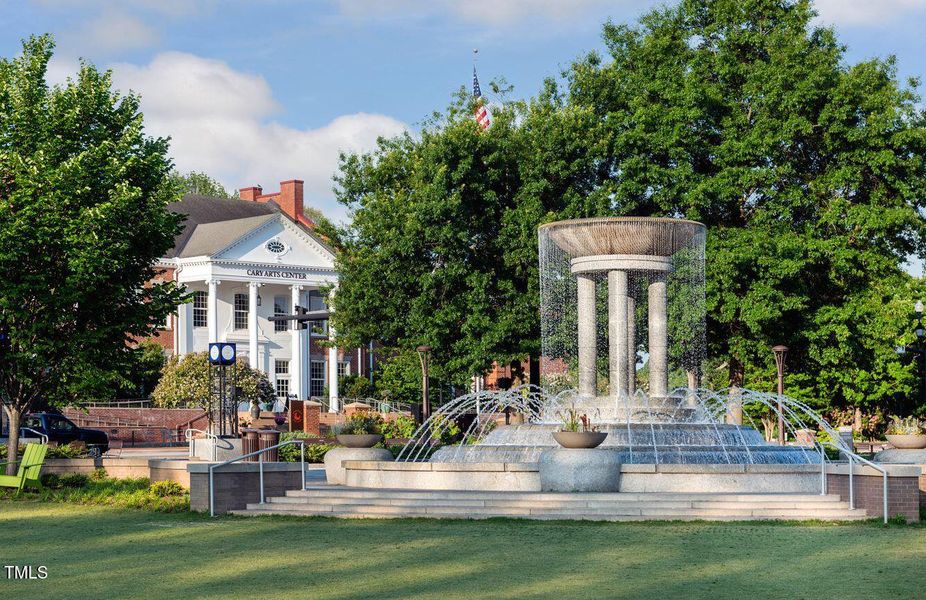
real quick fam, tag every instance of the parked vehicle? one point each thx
(62, 430)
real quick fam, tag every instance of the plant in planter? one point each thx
(906, 433)
(361, 430)
(578, 431)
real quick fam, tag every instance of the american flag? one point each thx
(482, 114)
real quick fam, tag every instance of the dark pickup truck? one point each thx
(60, 429)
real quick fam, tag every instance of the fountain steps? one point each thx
(335, 501)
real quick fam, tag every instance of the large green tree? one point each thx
(742, 114)
(808, 172)
(82, 218)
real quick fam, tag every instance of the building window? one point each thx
(241, 311)
(316, 300)
(343, 369)
(279, 308)
(281, 371)
(200, 309)
(317, 377)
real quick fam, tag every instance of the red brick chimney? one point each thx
(289, 199)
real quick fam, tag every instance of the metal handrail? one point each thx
(852, 457)
(42, 436)
(260, 460)
(189, 440)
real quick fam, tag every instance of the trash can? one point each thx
(250, 442)
(268, 439)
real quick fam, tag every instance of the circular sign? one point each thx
(228, 353)
(214, 352)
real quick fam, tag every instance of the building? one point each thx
(244, 261)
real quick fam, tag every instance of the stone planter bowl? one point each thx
(365, 440)
(908, 441)
(579, 439)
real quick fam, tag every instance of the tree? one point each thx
(82, 219)
(185, 383)
(147, 360)
(424, 259)
(808, 172)
(199, 183)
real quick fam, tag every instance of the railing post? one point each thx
(302, 461)
(260, 467)
(211, 495)
(822, 470)
(851, 484)
(885, 496)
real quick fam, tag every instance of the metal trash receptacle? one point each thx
(268, 439)
(250, 442)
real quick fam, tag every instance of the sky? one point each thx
(257, 92)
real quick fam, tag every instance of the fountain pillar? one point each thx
(588, 338)
(631, 346)
(617, 331)
(658, 338)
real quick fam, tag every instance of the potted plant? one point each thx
(906, 434)
(361, 430)
(578, 431)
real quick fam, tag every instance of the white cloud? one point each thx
(110, 32)
(485, 12)
(218, 119)
(867, 12)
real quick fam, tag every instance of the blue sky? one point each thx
(261, 91)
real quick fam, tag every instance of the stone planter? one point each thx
(579, 439)
(580, 470)
(366, 440)
(334, 461)
(907, 441)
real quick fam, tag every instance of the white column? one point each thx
(617, 331)
(334, 403)
(212, 313)
(588, 337)
(658, 338)
(295, 361)
(184, 329)
(253, 287)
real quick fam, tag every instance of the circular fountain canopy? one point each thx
(642, 236)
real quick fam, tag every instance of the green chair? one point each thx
(30, 469)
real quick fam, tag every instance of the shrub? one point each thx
(99, 474)
(361, 423)
(907, 426)
(71, 450)
(444, 430)
(54, 481)
(403, 427)
(314, 453)
(165, 489)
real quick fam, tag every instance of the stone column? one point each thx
(252, 324)
(184, 332)
(295, 362)
(658, 338)
(617, 331)
(588, 343)
(212, 314)
(334, 403)
(631, 345)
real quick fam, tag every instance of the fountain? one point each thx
(620, 298)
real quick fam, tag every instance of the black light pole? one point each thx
(424, 354)
(781, 352)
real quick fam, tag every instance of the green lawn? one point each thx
(102, 552)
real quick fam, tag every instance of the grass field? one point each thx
(102, 552)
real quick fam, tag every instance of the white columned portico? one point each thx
(212, 311)
(253, 288)
(295, 363)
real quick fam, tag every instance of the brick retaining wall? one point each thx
(903, 491)
(238, 484)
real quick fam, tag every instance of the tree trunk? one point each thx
(12, 445)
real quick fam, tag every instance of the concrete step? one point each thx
(617, 502)
(372, 511)
(345, 492)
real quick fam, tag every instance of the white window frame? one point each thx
(200, 313)
(238, 312)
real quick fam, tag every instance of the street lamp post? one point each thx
(424, 354)
(781, 352)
